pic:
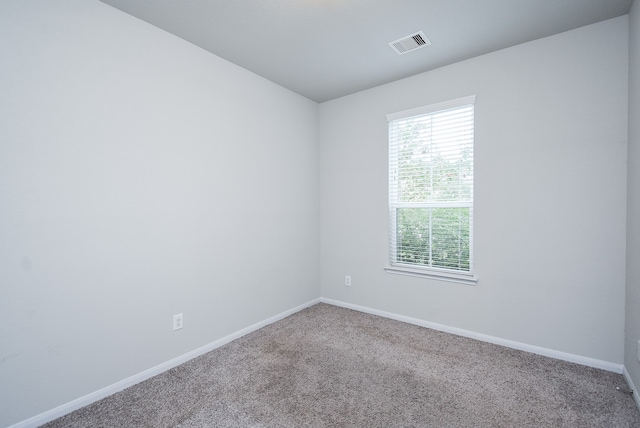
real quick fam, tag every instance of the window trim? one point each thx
(432, 108)
(431, 273)
(435, 273)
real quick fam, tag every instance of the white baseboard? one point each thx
(78, 403)
(585, 361)
(632, 387)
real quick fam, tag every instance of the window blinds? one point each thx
(431, 186)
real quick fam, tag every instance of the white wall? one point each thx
(551, 130)
(140, 177)
(633, 202)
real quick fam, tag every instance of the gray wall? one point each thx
(140, 177)
(633, 202)
(550, 192)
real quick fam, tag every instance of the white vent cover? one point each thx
(410, 43)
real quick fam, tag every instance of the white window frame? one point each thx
(442, 274)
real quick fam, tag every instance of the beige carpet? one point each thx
(332, 367)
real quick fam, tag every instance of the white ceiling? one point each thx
(324, 49)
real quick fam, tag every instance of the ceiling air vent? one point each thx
(410, 43)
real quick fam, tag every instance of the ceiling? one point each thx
(324, 49)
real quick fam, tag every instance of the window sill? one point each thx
(433, 274)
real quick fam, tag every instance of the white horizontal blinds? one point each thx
(431, 186)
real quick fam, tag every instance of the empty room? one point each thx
(322, 213)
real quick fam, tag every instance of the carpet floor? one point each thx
(328, 366)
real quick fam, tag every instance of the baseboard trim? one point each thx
(635, 395)
(578, 359)
(78, 403)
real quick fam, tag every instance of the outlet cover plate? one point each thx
(177, 322)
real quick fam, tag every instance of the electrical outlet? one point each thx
(347, 280)
(177, 322)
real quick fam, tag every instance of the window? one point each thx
(431, 191)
